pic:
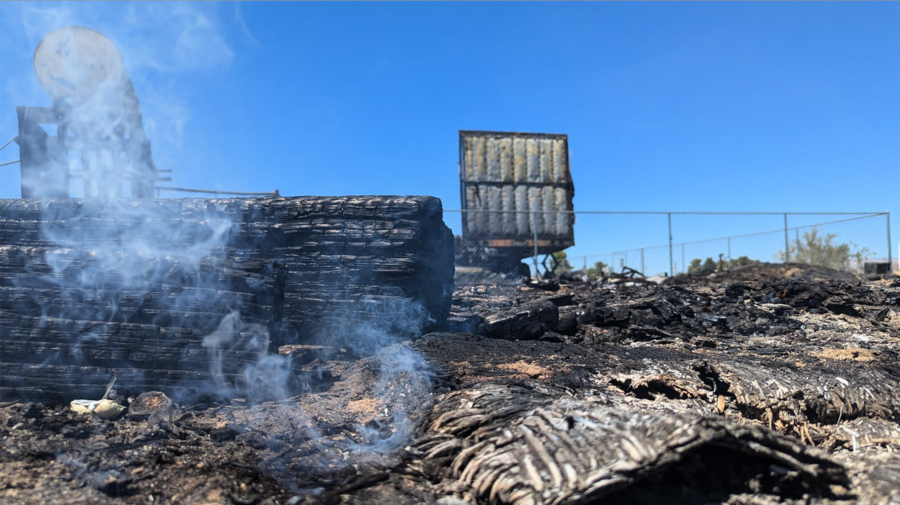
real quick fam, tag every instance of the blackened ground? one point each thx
(807, 363)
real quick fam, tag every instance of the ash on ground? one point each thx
(772, 385)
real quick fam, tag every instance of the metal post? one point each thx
(642, 262)
(534, 229)
(585, 265)
(671, 268)
(890, 260)
(729, 248)
(683, 265)
(787, 251)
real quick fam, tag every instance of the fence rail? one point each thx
(682, 239)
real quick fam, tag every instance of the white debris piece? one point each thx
(104, 409)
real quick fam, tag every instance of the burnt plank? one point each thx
(138, 284)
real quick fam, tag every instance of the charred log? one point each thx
(509, 443)
(136, 288)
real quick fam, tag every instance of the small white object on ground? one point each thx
(104, 409)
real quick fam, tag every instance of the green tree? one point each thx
(699, 266)
(562, 262)
(740, 261)
(695, 265)
(816, 249)
(600, 269)
(709, 266)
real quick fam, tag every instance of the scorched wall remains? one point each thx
(90, 289)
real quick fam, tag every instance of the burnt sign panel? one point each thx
(515, 187)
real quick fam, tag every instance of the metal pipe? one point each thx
(787, 251)
(534, 229)
(671, 267)
(890, 260)
(8, 143)
(663, 213)
(642, 261)
(729, 248)
(780, 230)
(217, 192)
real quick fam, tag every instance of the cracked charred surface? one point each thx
(91, 289)
(751, 390)
(514, 444)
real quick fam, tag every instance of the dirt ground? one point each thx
(773, 384)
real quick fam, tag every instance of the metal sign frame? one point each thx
(513, 245)
(44, 158)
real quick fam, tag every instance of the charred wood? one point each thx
(516, 444)
(96, 288)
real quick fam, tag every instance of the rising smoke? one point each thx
(160, 43)
(162, 262)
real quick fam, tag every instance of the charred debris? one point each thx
(314, 350)
(173, 294)
(775, 384)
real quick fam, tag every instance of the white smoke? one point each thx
(266, 377)
(125, 253)
(404, 388)
(167, 38)
(161, 43)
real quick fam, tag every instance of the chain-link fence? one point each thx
(504, 244)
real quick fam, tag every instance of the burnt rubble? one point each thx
(764, 387)
(511, 443)
(94, 289)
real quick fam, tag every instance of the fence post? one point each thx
(890, 260)
(537, 272)
(683, 264)
(787, 251)
(729, 248)
(671, 268)
(642, 262)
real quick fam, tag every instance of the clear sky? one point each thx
(668, 106)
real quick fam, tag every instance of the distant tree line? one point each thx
(600, 269)
(812, 249)
(710, 266)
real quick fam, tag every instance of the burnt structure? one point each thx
(768, 384)
(91, 289)
(97, 120)
(516, 191)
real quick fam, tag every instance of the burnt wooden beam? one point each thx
(96, 288)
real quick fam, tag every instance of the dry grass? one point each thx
(529, 369)
(364, 406)
(862, 355)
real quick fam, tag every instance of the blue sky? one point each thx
(668, 106)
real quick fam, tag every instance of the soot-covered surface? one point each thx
(171, 293)
(754, 389)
